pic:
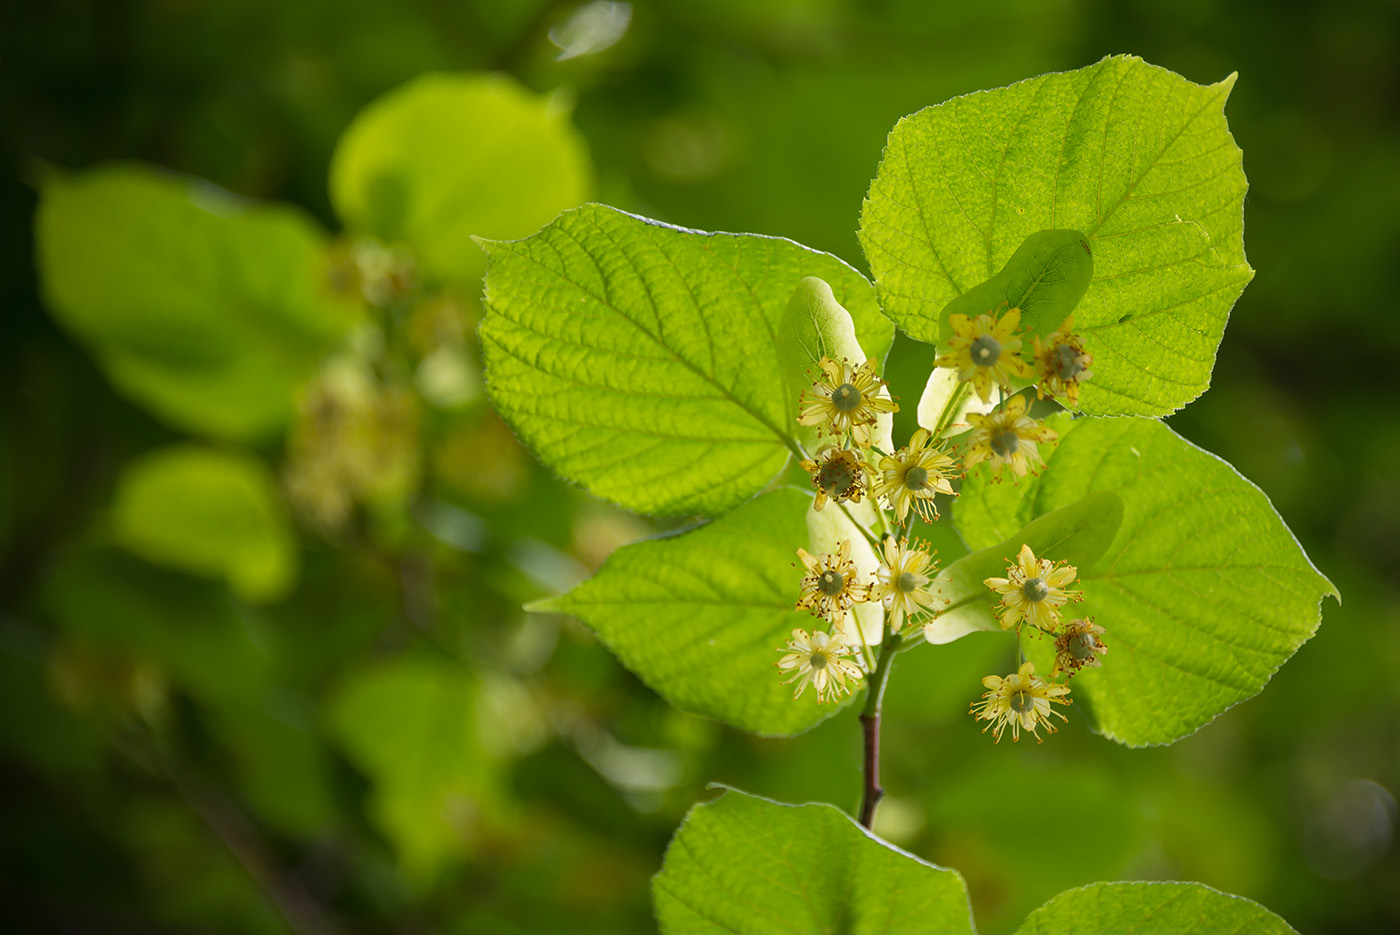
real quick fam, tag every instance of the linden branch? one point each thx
(870, 724)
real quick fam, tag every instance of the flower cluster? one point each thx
(830, 590)
(1034, 591)
(986, 353)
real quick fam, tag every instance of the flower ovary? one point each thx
(1035, 590)
(831, 583)
(985, 350)
(1005, 443)
(1064, 361)
(846, 397)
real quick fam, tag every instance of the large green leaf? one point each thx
(411, 725)
(1137, 158)
(1204, 592)
(208, 513)
(447, 157)
(700, 616)
(1151, 909)
(207, 309)
(640, 360)
(742, 864)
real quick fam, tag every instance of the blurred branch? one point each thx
(292, 900)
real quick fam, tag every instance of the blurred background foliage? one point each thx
(262, 658)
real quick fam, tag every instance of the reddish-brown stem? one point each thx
(870, 726)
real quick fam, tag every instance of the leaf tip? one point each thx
(545, 605)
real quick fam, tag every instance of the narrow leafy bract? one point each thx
(449, 157)
(640, 360)
(1137, 158)
(208, 309)
(1045, 278)
(1078, 534)
(743, 864)
(699, 616)
(1204, 591)
(1151, 909)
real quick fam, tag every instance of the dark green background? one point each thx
(731, 115)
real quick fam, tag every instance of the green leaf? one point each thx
(1137, 158)
(640, 360)
(1078, 533)
(743, 864)
(208, 513)
(207, 309)
(411, 725)
(1204, 592)
(700, 616)
(448, 157)
(1151, 909)
(1045, 278)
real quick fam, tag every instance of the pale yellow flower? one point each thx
(838, 474)
(985, 351)
(846, 399)
(912, 476)
(820, 659)
(832, 583)
(1033, 590)
(1062, 364)
(1021, 700)
(1078, 647)
(902, 582)
(1007, 437)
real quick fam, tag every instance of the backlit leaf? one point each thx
(1137, 158)
(640, 360)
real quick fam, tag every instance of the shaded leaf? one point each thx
(411, 725)
(207, 309)
(208, 513)
(448, 157)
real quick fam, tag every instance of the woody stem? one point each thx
(870, 725)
